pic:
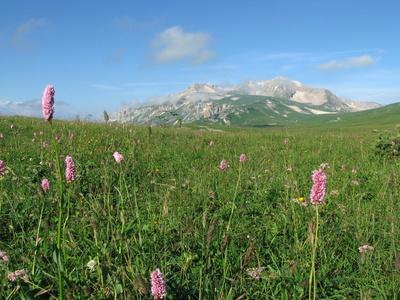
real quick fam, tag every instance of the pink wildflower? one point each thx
(22, 274)
(344, 167)
(45, 184)
(70, 173)
(286, 141)
(158, 287)
(242, 158)
(3, 257)
(48, 103)
(212, 144)
(366, 249)
(2, 168)
(41, 133)
(354, 171)
(12, 126)
(1, 135)
(45, 144)
(393, 143)
(33, 140)
(318, 190)
(35, 134)
(72, 136)
(118, 157)
(223, 165)
(266, 171)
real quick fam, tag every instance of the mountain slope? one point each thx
(279, 101)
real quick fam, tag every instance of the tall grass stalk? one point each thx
(228, 227)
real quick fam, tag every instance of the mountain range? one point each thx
(279, 101)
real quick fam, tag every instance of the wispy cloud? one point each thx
(104, 87)
(174, 45)
(156, 83)
(115, 57)
(349, 63)
(19, 37)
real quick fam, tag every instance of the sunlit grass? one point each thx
(242, 233)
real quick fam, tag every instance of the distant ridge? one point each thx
(268, 102)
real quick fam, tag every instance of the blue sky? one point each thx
(108, 55)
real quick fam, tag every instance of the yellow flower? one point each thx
(301, 199)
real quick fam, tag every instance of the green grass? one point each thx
(169, 206)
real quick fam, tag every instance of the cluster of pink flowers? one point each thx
(158, 286)
(45, 184)
(3, 257)
(255, 272)
(242, 158)
(22, 274)
(211, 144)
(319, 188)
(366, 249)
(223, 165)
(48, 103)
(2, 168)
(286, 141)
(118, 157)
(70, 173)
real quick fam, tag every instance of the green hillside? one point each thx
(252, 111)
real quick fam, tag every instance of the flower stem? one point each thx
(60, 279)
(312, 273)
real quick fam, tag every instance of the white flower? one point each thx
(91, 265)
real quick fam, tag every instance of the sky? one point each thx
(111, 55)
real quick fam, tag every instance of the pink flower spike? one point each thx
(45, 185)
(70, 172)
(158, 287)
(223, 165)
(2, 168)
(211, 144)
(319, 188)
(242, 158)
(286, 141)
(118, 157)
(48, 103)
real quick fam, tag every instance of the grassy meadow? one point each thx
(248, 232)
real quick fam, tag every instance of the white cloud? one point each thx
(32, 108)
(173, 45)
(349, 63)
